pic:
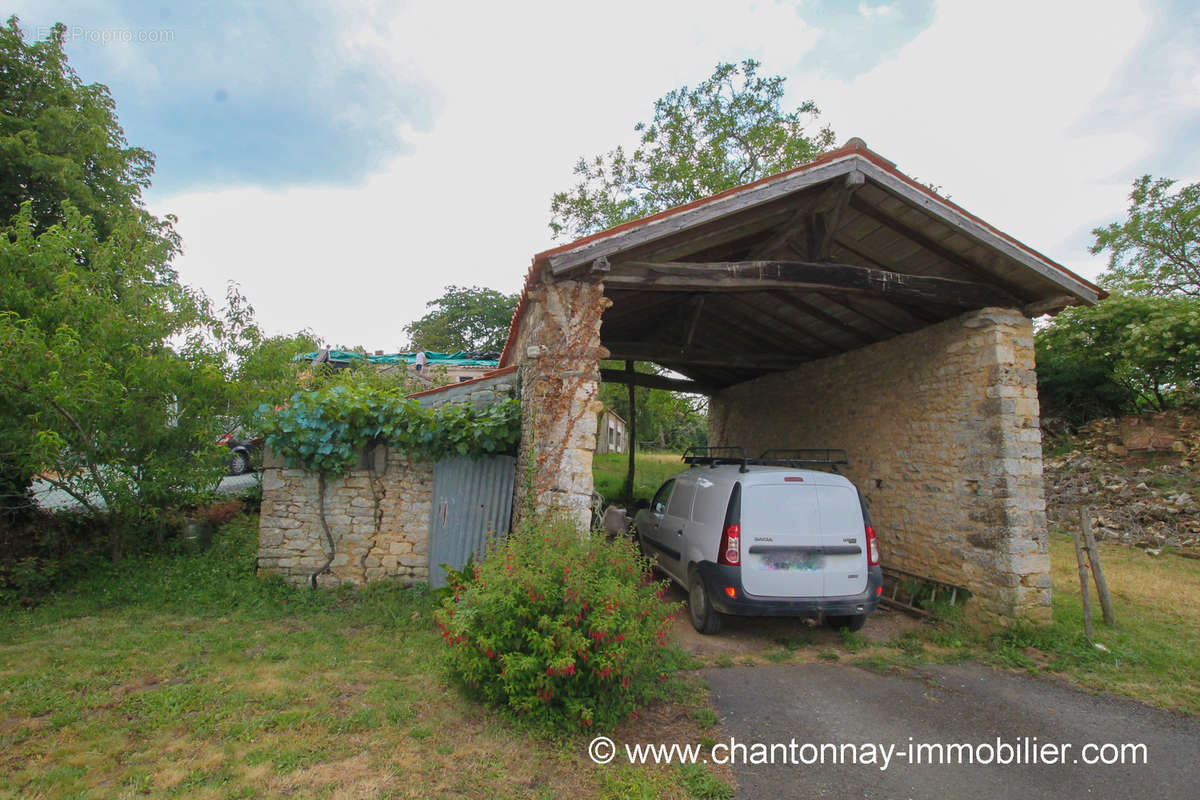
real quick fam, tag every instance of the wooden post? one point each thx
(1083, 588)
(1093, 553)
(630, 436)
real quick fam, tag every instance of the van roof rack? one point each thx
(775, 457)
(804, 457)
(715, 456)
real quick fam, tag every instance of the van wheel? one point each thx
(848, 622)
(705, 618)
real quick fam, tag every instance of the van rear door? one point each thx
(802, 539)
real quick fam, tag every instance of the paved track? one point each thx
(965, 703)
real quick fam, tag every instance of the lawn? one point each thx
(650, 471)
(1151, 652)
(189, 676)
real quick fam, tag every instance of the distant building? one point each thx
(440, 368)
(611, 436)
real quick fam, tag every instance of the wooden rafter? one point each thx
(805, 307)
(731, 276)
(936, 247)
(788, 324)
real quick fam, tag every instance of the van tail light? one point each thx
(872, 548)
(730, 553)
(731, 546)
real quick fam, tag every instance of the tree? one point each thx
(96, 397)
(59, 139)
(1127, 354)
(1156, 250)
(111, 371)
(263, 369)
(472, 319)
(727, 131)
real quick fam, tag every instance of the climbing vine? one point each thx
(324, 430)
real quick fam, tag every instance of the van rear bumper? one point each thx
(719, 577)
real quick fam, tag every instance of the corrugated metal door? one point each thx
(472, 501)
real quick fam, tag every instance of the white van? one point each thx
(766, 536)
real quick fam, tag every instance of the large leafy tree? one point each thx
(60, 140)
(729, 130)
(1127, 354)
(111, 370)
(464, 318)
(1156, 249)
(110, 389)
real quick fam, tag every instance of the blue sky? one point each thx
(396, 148)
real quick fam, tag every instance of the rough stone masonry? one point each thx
(379, 513)
(942, 431)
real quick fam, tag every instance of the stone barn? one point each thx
(838, 305)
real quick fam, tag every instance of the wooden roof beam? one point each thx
(757, 276)
(936, 247)
(668, 354)
(655, 381)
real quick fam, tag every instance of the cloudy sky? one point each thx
(343, 161)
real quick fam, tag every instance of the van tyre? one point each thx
(848, 622)
(705, 618)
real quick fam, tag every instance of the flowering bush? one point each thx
(563, 631)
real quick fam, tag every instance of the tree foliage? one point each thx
(729, 130)
(669, 421)
(110, 369)
(60, 140)
(261, 368)
(464, 318)
(95, 397)
(1127, 354)
(1156, 249)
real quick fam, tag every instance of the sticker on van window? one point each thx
(801, 562)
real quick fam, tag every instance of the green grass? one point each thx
(651, 470)
(190, 676)
(1150, 654)
(1151, 650)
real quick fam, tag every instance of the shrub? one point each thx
(562, 631)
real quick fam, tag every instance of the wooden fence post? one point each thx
(1093, 554)
(1083, 588)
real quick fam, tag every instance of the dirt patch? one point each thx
(750, 637)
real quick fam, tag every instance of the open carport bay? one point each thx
(945, 704)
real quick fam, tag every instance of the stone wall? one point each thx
(378, 516)
(942, 431)
(558, 349)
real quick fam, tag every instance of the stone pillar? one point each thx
(558, 348)
(1015, 550)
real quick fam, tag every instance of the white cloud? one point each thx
(982, 102)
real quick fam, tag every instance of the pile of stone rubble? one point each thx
(1138, 476)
